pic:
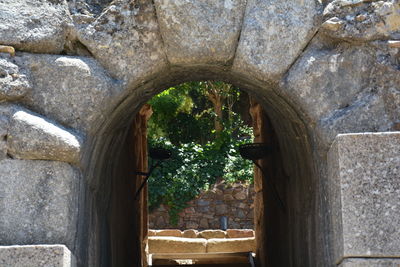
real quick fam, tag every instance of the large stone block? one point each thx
(74, 91)
(200, 32)
(274, 34)
(33, 137)
(38, 202)
(163, 244)
(38, 26)
(126, 40)
(14, 81)
(364, 171)
(325, 80)
(367, 113)
(208, 234)
(231, 244)
(36, 256)
(166, 232)
(370, 262)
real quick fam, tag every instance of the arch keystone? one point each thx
(273, 35)
(200, 32)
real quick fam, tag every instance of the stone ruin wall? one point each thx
(233, 201)
(73, 73)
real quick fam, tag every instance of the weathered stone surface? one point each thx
(74, 91)
(345, 89)
(33, 137)
(7, 50)
(161, 244)
(362, 20)
(231, 245)
(365, 114)
(241, 195)
(167, 232)
(239, 233)
(370, 262)
(208, 234)
(14, 82)
(4, 124)
(88, 8)
(364, 171)
(273, 35)
(125, 39)
(38, 202)
(203, 224)
(200, 32)
(205, 211)
(34, 26)
(221, 209)
(190, 233)
(37, 256)
(324, 80)
(151, 232)
(3, 149)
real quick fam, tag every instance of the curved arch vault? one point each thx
(69, 96)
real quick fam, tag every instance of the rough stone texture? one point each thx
(200, 32)
(33, 25)
(231, 245)
(167, 232)
(362, 20)
(33, 137)
(36, 256)
(344, 88)
(14, 82)
(364, 171)
(4, 124)
(233, 201)
(365, 114)
(74, 91)
(326, 79)
(208, 234)
(161, 244)
(359, 38)
(239, 233)
(370, 262)
(273, 35)
(38, 202)
(124, 37)
(190, 233)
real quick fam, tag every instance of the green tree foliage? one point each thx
(183, 121)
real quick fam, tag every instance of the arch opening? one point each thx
(112, 230)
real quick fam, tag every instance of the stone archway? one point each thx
(283, 227)
(66, 117)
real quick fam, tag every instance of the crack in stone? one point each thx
(161, 36)
(230, 62)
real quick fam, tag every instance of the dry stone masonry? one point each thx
(235, 202)
(73, 74)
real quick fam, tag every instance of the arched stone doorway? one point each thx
(283, 236)
(313, 79)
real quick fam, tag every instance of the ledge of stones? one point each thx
(207, 241)
(207, 234)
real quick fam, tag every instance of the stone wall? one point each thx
(75, 73)
(233, 201)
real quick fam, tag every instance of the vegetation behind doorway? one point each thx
(203, 124)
